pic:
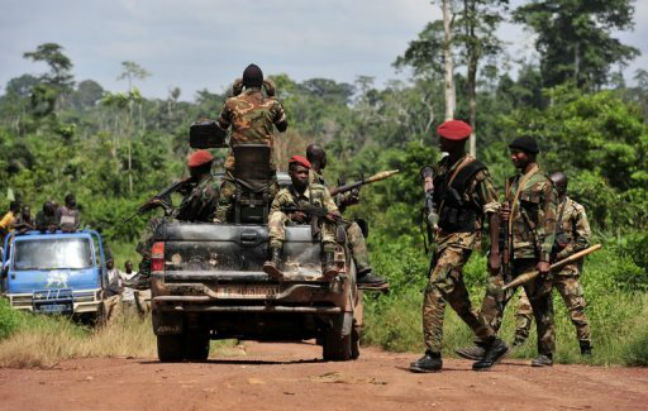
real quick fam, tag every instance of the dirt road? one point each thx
(292, 377)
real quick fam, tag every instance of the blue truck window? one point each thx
(53, 254)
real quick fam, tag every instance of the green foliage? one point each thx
(8, 319)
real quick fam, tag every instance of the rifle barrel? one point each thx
(374, 178)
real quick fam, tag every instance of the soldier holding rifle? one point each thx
(464, 197)
(529, 217)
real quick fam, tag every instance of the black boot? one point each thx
(369, 281)
(476, 352)
(272, 266)
(543, 360)
(586, 348)
(330, 269)
(430, 362)
(494, 352)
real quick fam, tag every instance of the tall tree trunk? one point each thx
(473, 61)
(450, 95)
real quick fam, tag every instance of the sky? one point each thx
(206, 44)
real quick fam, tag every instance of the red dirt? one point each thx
(292, 377)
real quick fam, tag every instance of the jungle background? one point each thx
(114, 150)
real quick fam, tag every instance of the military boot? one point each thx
(430, 362)
(369, 281)
(543, 360)
(495, 351)
(586, 348)
(330, 269)
(272, 266)
(476, 352)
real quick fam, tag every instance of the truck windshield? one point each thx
(45, 254)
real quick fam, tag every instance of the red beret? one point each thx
(454, 130)
(300, 160)
(199, 158)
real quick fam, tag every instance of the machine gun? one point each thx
(161, 200)
(314, 213)
(357, 184)
(431, 216)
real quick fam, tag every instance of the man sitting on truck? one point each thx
(199, 204)
(46, 218)
(299, 203)
(68, 215)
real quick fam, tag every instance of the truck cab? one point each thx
(60, 272)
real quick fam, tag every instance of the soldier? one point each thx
(530, 210)
(252, 117)
(356, 240)
(572, 235)
(300, 195)
(198, 204)
(464, 196)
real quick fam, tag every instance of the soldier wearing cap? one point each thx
(253, 117)
(199, 204)
(529, 210)
(298, 197)
(464, 197)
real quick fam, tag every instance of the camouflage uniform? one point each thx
(355, 238)
(199, 205)
(533, 224)
(572, 236)
(252, 117)
(315, 195)
(452, 252)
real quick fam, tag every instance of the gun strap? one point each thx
(515, 203)
(466, 160)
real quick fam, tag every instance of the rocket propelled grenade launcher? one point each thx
(526, 277)
(374, 178)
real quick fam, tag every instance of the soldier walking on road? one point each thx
(356, 240)
(572, 235)
(291, 205)
(529, 210)
(464, 195)
(253, 117)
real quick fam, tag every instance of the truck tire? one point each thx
(196, 346)
(170, 348)
(335, 345)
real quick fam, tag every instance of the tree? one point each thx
(88, 94)
(54, 84)
(132, 70)
(575, 38)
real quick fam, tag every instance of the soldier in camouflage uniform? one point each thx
(530, 209)
(288, 207)
(464, 195)
(253, 117)
(572, 235)
(356, 240)
(199, 204)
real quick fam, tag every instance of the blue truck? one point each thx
(60, 273)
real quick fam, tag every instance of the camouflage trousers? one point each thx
(446, 285)
(571, 291)
(358, 246)
(539, 292)
(277, 221)
(224, 213)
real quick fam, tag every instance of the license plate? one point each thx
(247, 291)
(54, 308)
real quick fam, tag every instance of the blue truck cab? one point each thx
(57, 272)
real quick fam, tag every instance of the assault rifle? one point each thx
(356, 184)
(429, 209)
(161, 198)
(314, 213)
(526, 277)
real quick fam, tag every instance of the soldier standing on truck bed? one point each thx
(529, 215)
(356, 240)
(199, 204)
(572, 235)
(292, 204)
(464, 196)
(253, 117)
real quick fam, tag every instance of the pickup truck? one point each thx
(207, 283)
(62, 273)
